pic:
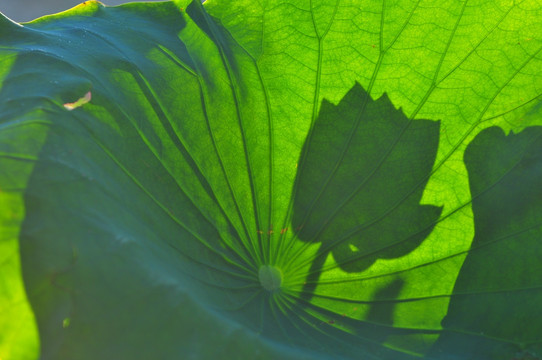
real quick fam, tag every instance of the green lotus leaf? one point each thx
(315, 179)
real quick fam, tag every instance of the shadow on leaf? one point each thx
(500, 280)
(362, 174)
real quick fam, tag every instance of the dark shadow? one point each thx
(382, 310)
(57, 62)
(362, 174)
(495, 310)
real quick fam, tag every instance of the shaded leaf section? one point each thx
(125, 251)
(496, 311)
(362, 175)
(22, 134)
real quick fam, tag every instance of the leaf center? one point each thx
(270, 277)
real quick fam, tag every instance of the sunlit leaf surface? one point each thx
(300, 179)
